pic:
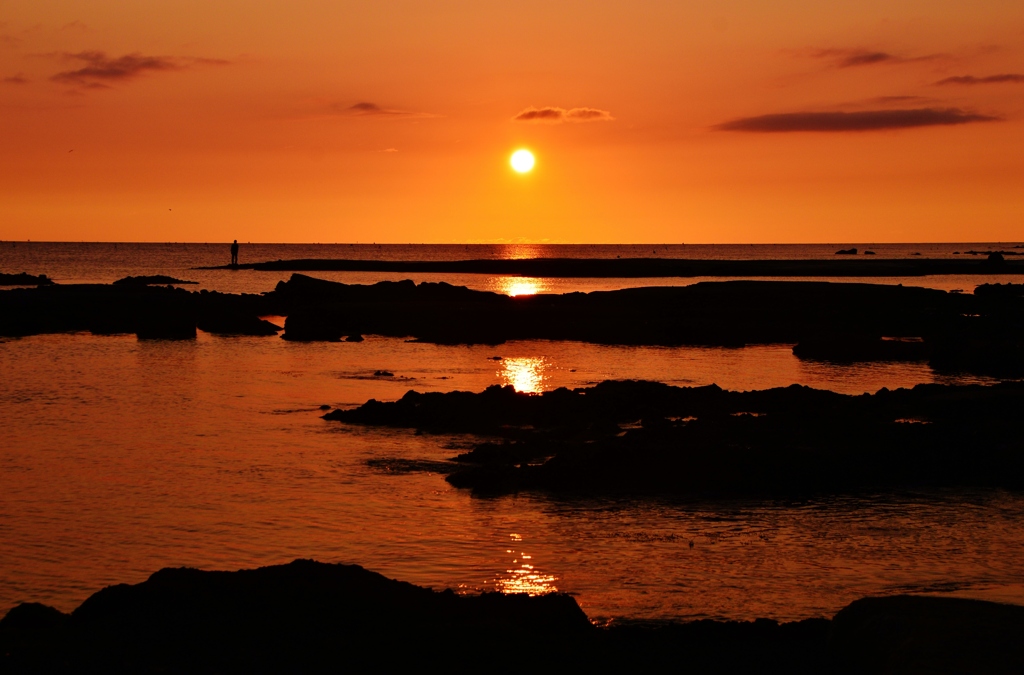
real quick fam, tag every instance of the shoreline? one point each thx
(650, 267)
(286, 618)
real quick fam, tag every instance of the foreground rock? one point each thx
(645, 437)
(314, 617)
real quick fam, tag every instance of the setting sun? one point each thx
(522, 161)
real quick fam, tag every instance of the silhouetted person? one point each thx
(234, 253)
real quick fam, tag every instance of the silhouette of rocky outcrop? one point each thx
(309, 617)
(24, 279)
(151, 280)
(644, 267)
(646, 437)
(831, 321)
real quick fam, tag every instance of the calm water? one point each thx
(119, 457)
(104, 263)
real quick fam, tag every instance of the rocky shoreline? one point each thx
(842, 322)
(307, 617)
(994, 263)
(651, 438)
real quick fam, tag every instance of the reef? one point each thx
(314, 617)
(150, 312)
(634, 437)
(979, 333)
(24, 279)
(153, 279)
(652, 267)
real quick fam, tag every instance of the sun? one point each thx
(522, 161)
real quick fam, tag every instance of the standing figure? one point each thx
(234, 253)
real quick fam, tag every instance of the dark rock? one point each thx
(325, 407)
(850, 347)
(703, 440)
(355, 337)
(24, 279)
(308, 326)
(636, 267)
(236, 324)
(383, 373)
(310, 617)
(908, 634)
(869, 253)
(846, 251)
(155, 279)
(172, 318)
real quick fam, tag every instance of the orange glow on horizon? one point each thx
(735, 122)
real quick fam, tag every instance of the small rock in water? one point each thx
(494, 358)
(325, 407)
(383, 373)
(355, 337)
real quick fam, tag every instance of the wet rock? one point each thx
(236, 324)
(703, 440)
(308, 326)
(383, 373)
(847, 251)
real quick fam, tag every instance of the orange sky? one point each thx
(339, 121)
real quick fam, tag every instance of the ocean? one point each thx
(119, 457)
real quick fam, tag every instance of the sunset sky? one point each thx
(651, 121)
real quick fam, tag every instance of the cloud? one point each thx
(390, 150)
(863, 120)
(366, 109)
(1013, 78)
(100, 69)
(14, 79)
(853, 58)
(554, 115)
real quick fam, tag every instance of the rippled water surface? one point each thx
(119, 457)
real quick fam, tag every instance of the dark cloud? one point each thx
(1012, 78)
(863, 120)
(14, 79)
(103, 68)
(558, 115)
(366, 109)
(100, 68)
(853, 58)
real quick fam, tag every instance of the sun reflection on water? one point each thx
(523, 577)
(513, 286)
(526, 373)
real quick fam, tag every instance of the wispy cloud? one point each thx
(854, 58)
(367, 109)
(553, 115)
(1005, 78)
(100, 69)
(862, 120)
(15, 79)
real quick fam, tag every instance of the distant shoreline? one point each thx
(649, 267)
